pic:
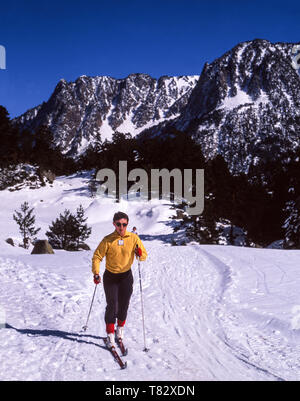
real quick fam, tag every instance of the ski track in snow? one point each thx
(257, 338)
(211, 312)
(192, 330)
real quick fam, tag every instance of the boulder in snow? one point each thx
(10, 241)
(41, 247)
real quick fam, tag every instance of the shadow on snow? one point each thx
(77, 337)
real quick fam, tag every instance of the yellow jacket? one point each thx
(119, 252)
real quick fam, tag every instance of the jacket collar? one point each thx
(117, 235)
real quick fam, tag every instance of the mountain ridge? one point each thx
(245, 106)
(77, 112)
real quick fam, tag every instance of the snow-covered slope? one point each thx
(211, 312)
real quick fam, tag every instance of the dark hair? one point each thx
(119, 216)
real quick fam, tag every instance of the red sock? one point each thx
(110, 328)
(121, 322)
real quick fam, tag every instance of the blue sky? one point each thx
(46, 41)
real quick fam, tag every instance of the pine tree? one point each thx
(26, 222)
(93, 186)
(83, 229)
(63, 232)
(8, 140)
(291, 225)
(67, 231)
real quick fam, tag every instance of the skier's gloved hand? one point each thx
(138, 251)
(97, 279)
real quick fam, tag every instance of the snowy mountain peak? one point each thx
(78, 111)
(245, 105)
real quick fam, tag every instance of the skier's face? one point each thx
(121, 226)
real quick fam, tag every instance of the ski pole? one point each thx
(141, 291)
(85, 327)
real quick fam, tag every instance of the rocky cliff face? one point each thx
(246, 105)
(93, 108)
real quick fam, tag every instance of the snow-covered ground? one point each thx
(211, 312)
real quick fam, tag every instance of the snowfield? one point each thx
(211, 312)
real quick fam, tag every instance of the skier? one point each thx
(134, 231)
(119, 247)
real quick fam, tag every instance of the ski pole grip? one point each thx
(136, 252)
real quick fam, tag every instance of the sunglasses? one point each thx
(121, 224)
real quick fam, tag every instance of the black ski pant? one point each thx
(118, 288)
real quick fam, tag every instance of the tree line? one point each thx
(37, 147)
(68, 231)
(265, 202)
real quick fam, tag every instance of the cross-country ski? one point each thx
(115, 354)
